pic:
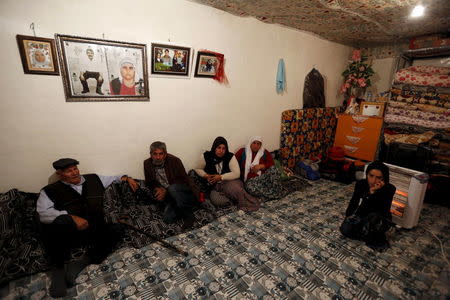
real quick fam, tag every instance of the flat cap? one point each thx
(63, 163)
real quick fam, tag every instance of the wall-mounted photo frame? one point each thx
(372, 108)
(102, 70)
(38, 55)
(207, 65)
(170, 60)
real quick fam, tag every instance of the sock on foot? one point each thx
(58, 287)
(74, 268)
(188, 222)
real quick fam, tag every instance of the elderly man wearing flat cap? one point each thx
(71, 213)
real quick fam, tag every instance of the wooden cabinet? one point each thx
(358, 135)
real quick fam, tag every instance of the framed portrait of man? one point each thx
(102, 70)
(38, 55)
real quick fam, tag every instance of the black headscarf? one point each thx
(212, 159)
(378, 165)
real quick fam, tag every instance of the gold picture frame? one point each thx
(38, 55)
(372, 108)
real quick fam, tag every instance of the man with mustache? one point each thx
(167, 178)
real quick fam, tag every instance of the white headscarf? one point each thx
(129, 60)
(248, 156)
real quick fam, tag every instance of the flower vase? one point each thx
(352, 107)
(357, 92)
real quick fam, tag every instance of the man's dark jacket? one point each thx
(174, 168)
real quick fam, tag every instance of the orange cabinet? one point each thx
(358, 135)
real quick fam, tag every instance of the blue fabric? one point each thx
(281, 77)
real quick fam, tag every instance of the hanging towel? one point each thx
(313, 92)
(281, 78)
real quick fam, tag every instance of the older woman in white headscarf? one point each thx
(253, 159)
(261, 177)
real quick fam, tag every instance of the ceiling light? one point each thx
(417, 11)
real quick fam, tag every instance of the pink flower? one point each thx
(343, 88)
(362, 82)
(356, 55)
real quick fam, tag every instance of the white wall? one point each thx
(38, 126)
(382, 79)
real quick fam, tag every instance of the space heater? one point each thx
(408, 199)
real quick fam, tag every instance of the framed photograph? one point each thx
(207, 65)
(372, 108)
(38, 55)
(170, 60)
(102, 70)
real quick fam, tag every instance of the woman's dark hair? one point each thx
(378, 165)
(219, 141)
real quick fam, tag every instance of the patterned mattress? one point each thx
(289, 249)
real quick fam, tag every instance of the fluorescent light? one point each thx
(417, 11)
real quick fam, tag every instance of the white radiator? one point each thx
(408, 199)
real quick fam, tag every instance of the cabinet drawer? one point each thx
(358, 135)
(363, 153)
(358, 121)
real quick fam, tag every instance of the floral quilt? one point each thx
(414, 75)
(306, 133)
(428, 116)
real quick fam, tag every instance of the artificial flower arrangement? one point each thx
(358, 73)
(356, 80)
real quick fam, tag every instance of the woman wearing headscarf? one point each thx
(261, 178)
(220, 169)
(368, 215)
(253, 159)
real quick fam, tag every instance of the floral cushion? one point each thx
(306, 133)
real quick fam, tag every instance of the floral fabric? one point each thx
(267, 185)
(306, 133)
(430, 69)
(426, 79)
(418, 106)
(348, 22)
(438, 102)
(391, 118)
(414, 139)
(428, 116)
(271, 185)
